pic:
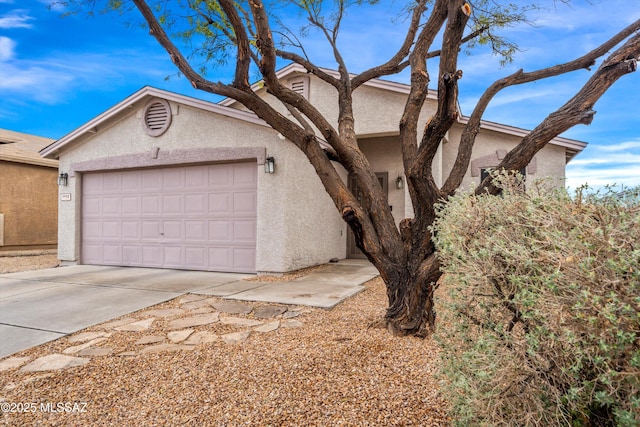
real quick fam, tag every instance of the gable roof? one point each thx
(142, 96)
(573, 146)
(225, 108)
(20, 147)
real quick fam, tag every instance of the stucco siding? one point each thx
(489, 149)
(29, 206)
(384, 155)
(312, 230)
(286, 237)
(377, 111)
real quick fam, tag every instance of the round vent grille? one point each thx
(157, 117)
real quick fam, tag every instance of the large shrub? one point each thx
(541, 324)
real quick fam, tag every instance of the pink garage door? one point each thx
(193, 217)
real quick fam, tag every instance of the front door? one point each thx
(383, 180)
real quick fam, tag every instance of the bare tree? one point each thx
(250, 35)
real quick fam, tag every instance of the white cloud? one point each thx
(588, 14)
(614, 159)
(622, 146)
(36, 81)
(51, 80)
(16, 19)
(7, 47)
(627, 175)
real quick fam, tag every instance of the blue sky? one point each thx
(58, 73)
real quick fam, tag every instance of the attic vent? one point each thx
(300, 85)
(157, 117)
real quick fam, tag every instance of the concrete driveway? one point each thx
(43, 305)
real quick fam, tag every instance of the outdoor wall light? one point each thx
(269, 165)
(399, 183)
(63, 179)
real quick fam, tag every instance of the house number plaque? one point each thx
(65, 197)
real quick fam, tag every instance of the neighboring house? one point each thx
(28, 193)
(164, 180)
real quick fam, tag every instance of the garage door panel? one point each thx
(172, 230)
(112, 183)
(220, 231)
(111, 230)
(244, 175)
(244, 231)
(172, 204)
(173, 256)
(131, 182)
(152, 255)
(196, 258)
(196, 177)
(111, 205)
(130, 230)
(195, 230)
(220, 177)
(111, 253)
(92, 229)
(244, 202)
(220, 203)
(244, 259)
(151, 230)
(172, 179)
(152, 180)
(92, 206)
(220, 258)
(130, 205)
(131, 255)
(92, 183)
(92, 251)
(151, 204)
(196, 204)
(196, 217)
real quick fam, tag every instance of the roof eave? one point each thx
(572, 145)
(29, 160)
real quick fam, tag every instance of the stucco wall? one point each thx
(377, 111)
(291, 202)
(548, 163)
(29, 205)
(384, 155)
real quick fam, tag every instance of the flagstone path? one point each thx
(194, 320)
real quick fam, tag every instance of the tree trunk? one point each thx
(410, 293)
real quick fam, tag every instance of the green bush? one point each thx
(541, 318)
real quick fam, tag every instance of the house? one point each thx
(168, 181)
(28, 193)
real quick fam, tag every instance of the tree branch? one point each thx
(578, 110)
(418, 92)
(241, 79)
(395, 64)
(473, 126)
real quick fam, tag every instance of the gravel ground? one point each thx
(334, 370)
(12, 264)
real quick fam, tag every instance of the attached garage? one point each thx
(200, 217)
(162, 180)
